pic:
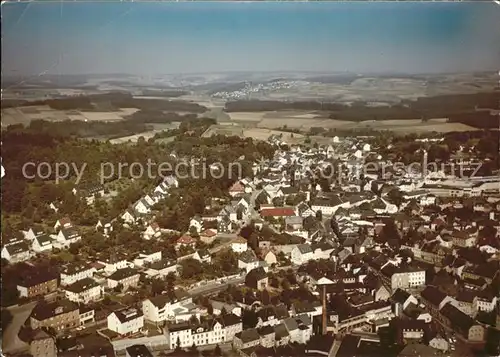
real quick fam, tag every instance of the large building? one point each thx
(59, 315)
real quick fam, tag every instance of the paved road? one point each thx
(213, 288)
(10, 340)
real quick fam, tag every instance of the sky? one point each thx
(200, 37)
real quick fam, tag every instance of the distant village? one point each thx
(288, 263)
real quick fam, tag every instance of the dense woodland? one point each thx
(112, 101)
(29, 199)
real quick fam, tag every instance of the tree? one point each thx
(319, 215)
(249, 319)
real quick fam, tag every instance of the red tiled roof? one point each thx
(277, 212)
(186, 240)
(237, 187)
(209, 233)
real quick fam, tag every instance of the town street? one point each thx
(10, 339)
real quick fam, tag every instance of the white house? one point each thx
(248, 261)
(301, 254)
(152, 231)
(126, 277)
(126, 321)
(16, 253)
(164, 307)
(105, 226)
(197, 223)
(64, 222)
(42, 243)
(147, 257)
(75, 272)
(67, 236)
(33, 233)
(239, 245)
(84, 291)
(114, 263)
(129, 217)
(142, 207)
(162, 268)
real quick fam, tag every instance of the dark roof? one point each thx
(121, 274)
(400, 296)
(74, 268)
(460, 321)
(36, 276)
(230, 319)
(433, 295)
(82, 285)
(127, 314)
(304, 248)
(45, 310)
(254, 276)
(138, 351)
(248, 335)
(248, 256)
(17, 248)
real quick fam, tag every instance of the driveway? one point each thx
(10, 340)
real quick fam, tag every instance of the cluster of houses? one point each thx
(415, 269)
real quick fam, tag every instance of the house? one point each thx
(147, 257)
(277, 212)
(400, 300)
(129, 217)
(126, 321)
(125, 278)
(463, 324)
(185, 241)
(67, 236)
(239, 245)
(301, 254)
(162, 268)
(164, 307)
(16, 253)
(257, 279)
(142, 207)
(138, 351)
(42, 344)
(64, 222)
(267, 336)
(42, 243)
(208, 236)
(76, 271)
(237, 189)
(59, 315)
(104, 226)
(200, 332)
(438, 341)
(114, 263)
(84, 291)
(152, 231)
(37, 282)
(247, 338)
(87, 315)
(328, 206)
(224, 224)
(435, 299)
(89, 191)
(32, 233)
(322, 250)
(248, 260)
(269, 257)
(197, 223)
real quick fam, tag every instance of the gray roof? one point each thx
(304, 248)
